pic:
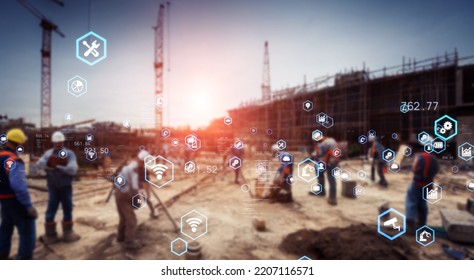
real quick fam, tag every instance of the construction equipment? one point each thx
(48, 26)
(159, 98)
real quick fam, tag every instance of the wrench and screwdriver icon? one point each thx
(92, 49)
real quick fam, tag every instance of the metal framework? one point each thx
(266, 88)
(159, 97)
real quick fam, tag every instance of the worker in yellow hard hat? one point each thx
(61, 167)
(17, 208)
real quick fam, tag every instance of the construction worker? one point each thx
(60, 165)
(325, 151)
(123, 198)
(281, 189)
(17, 208)
(378, 163)
(146, 186)
(425, 168)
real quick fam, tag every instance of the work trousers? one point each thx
(332, 181)
(415, 206)
(127, 220)
(56, 196)
(14, 215)
(380, 165)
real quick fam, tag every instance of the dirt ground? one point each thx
(309, 226)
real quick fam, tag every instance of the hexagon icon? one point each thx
(425, 235)
(361, 174)
(235, 162)
(194, 224)
(165, 133)
(281, 144)
(423, 137)
(91, 48)
(305, 258)
(3, 139)
(432, 193)
(158, 171)
(139, 201)
(439, 145)
(239, 144)
(428, 148)
(408, 151)
(317, 135)
(179, 247)
(466, 151)
(337, 152)
(119, 181)
(316, 188)
(77, 86)
(192, 142)
(227, 120)
(391, 227)
(445, 127)
(362, 139)
(336, 172)
(62, 153)
(388, 155)
(91, 154)
(358, 191)
(470, 185)
(307, 170)
(324, 120)
(394, 167)
(307, 105)
(321, 166)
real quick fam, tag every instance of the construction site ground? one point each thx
(309, 226)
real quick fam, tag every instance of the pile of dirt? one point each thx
(356, 242)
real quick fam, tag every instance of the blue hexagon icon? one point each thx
(391, 227)
(316, 188)
(317, 135)
(425, 235)
(305, 258)
(307, 170)
(423, 137)
(428, 148)
(91, 48)
(158, 171)
(324, 120)
(439, 145)
(445, 127)
(362, 139)
(388, 155)
(179, 247)
(466, 151)
(193, 224)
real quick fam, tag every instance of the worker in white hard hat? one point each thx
(17, 209)
(61, 167)
(127, 183)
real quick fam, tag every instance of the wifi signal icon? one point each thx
(159, 169)
(194, 223)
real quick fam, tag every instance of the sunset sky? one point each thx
(216, 51)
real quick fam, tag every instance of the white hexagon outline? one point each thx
(3, 142)
(13, 166)
(239, 140)
(226, 119)
(59, 153)
(408, 149)
(444, 146)
(316, 184)
(95, 156)
(197, 139)
(324, 163)
(424, 196)
(69, 86)
(188, 162)
(143, 204)
(281, 155)
(455, 126)
(311, 107)
(284, 144)
(314, 132)
(117, 184)
(426, 145)
(362, 172)
(390, 167)
(175, 140)
(386, 151)
(459, 151)
(104, 41)
(185, 247)
(235, 158)
(433, 233)
(288, 179)
(427, 138)
(396, 235)
(305, 258)
(362, 142)
(172, 171)
(354, 190)
(317, 171)
(334, 170)
(22, 149)
(190, 212)
(467, 185)
(337, 152)
(163, 130)
(342, 178)
(324, 124)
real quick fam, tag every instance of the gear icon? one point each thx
(442, 130)
(447, 125)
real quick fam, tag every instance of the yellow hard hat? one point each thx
(16, 135)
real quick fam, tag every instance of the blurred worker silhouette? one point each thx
(378, 163)
(237, 151)
(127, 226)
(425, 168)
(61, 167)
(324, 151)
(281, 188)
(17, 209)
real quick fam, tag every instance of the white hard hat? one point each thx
(143, 154)
(57, 137)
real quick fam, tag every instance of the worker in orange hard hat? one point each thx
(61, 168)
(17, 208)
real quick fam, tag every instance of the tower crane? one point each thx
(48, 27)
(159, 98)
